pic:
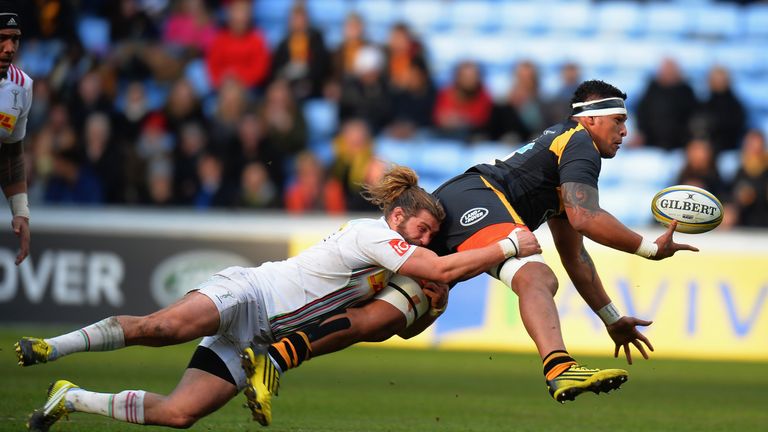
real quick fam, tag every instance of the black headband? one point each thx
(607, 106)
(9, 20)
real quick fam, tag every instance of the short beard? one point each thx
(401, 231)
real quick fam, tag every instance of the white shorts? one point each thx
(243, 321)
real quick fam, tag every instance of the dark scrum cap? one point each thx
(9, 18)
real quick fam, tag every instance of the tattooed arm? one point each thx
(577, 262)
(14, 185)
(582, 206)
(581, 270)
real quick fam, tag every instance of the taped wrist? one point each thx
(609, 314)
(19, 204)
(647, 249)
(510, 245)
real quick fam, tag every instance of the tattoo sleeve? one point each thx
(587, 260)
(581, 198)
(11, 164)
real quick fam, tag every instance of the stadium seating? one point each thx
(94, 34)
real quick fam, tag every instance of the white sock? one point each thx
(127, 406)
(105, 335)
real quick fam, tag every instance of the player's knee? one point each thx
(535, 277)
(181, 421)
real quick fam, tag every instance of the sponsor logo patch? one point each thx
(7, 121)
(400, 246)
(473, 216)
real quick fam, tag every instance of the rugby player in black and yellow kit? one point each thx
(554, 180)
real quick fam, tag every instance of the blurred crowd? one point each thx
(241, 138)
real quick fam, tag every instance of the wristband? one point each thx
(512, 247)
(609, 314)
(19, 204)
(436, 312)
(647, 249)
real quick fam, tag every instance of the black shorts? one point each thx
(472, 202)
(206, 360)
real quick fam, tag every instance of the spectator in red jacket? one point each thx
(239, 49)
(463, 107)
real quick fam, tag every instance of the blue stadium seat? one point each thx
(668, 19)
(272, 11)
(424, 16)
(323, 150)
(646, 166)
(498, 80)
(631, 207)
(446, 49)
(694, 55)
(720, 20)
(196, 72)
(756, 20)
(753, 92)
(401, 152)
(440, 159)
(378, 12)
(570, 17)
(322, 117)
(742, 56)
(473, 15)
(487, 152)
(94, 34)
(273, 32)
(522, 16)
(619, 18)
(38, 57)
(728, 163)
(328, 12)
(645, 54)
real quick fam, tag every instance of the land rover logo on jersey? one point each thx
(179, 273)
(472, 216)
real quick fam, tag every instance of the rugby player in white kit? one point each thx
(239, 308)
(15, 103)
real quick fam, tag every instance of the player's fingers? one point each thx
(640, 348)
(628, 353)
(671, 227)
(686, 247)
(641, 322)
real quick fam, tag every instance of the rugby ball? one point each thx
(695, 209)
(406, 295)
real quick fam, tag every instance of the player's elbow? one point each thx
(580, 224)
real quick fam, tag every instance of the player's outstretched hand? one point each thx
(20, 226)
(667, 246)
(528, 243)
(625, 332)
(437, 293)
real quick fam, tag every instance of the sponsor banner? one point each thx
(83, 277)
(712, 304)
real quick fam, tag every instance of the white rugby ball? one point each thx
(695, 209)
(406, 295)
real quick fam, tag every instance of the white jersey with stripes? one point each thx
(15, 103)
(347, 267)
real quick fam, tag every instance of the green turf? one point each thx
(374, 389)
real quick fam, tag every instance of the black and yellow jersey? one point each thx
(530, 178)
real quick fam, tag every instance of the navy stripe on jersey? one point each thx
(315, 311)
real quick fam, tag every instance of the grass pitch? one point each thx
(376, 389)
